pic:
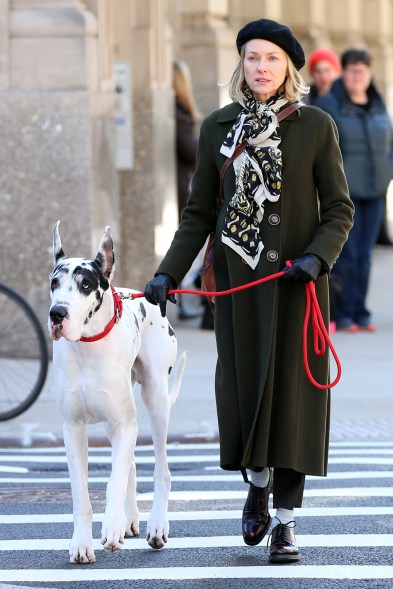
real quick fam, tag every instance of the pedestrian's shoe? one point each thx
(370, 328)
(283, 547)
(256, 517)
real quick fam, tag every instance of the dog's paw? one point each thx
(113, 532)
(82, 553)
(157, 533)
(132, 529)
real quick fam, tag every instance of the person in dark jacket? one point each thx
(186, 116)
(366, 142)
(284, 198)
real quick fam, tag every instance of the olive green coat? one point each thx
(269, 414)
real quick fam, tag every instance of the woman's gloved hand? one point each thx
(304, 269)
(156, 291)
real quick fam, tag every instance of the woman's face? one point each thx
(265, 68)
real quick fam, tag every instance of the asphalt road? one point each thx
(344, 529)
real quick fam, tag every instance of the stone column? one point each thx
(148, 190)
(56, 149)
(204, 40)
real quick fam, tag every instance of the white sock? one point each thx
(283, 516)
(260, 479)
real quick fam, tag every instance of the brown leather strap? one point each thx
(289, 110)
(242, 146)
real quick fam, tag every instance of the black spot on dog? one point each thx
(143, 310)
(151, 322)
(86, 279)
(136, 322)
(96, 265)
(170, 330)
(60, 254)
(170, 369)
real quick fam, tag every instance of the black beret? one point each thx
(271, 30)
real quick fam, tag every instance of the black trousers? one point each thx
(288, 488)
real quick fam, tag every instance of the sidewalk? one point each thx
(362, 403)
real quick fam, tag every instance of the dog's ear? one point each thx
(58, 252)
(105, 258)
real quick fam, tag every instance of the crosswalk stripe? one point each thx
(107, 459)
(192, 542)
(53, 518)
(224, 494)
(191, 573)
(345, 448)
(191, 459)
(236, 478)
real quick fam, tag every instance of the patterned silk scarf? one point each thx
(258, 174)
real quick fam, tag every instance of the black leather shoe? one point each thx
(256, 517)
(283, 547)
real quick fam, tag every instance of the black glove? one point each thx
(156, 291)
(303, 269)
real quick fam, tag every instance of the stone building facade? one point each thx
(86, 114)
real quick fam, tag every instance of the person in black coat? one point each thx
(186, 116)
(366, 142)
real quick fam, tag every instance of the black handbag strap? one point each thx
(242, 146)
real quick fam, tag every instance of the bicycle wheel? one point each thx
(23, 354)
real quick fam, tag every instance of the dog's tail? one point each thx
(174, 392)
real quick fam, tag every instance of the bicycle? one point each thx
(24, 355)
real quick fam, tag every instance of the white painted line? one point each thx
(87, 573)
(365, 451)
(180, 459)
(216, 495)
(219, 478)
(107, 459)
(223, 494)
(361, 444)
(305, 541)
(361, 460)
(60, 518)
(106, 449)
(14, 469)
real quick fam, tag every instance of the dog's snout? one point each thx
(57, 314)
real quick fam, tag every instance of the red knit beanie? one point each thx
(323, 55)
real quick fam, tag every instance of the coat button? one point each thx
(272, 255)
(274, 219)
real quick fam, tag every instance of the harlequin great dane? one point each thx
(97, 358)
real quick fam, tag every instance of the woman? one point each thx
(186, 142)
(366, 142)
(288, 192)
(186, 115)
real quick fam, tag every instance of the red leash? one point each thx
(320, 333)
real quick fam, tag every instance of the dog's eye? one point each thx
(54, 283)
(86, 285)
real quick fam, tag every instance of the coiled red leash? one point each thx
(320, 333)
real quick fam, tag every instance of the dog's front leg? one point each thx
(155, 396)
(115, 525)
(75, 440)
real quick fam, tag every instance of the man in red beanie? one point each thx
(324, 68)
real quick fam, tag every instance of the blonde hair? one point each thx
(182, 85)
(294, 86)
